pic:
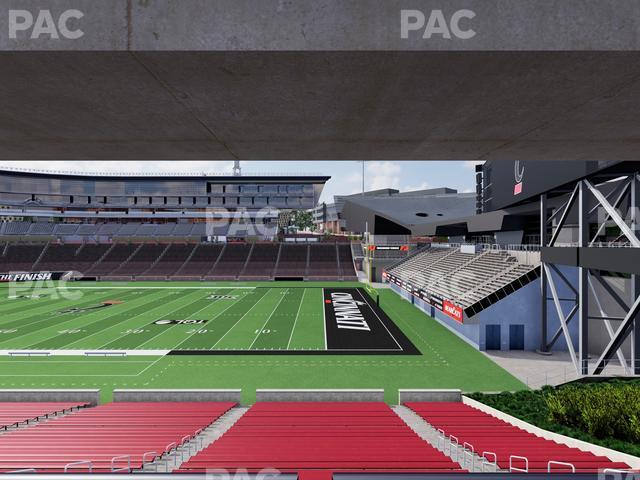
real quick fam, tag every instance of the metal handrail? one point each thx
(199, 439)
(451, 438)
(121, 469)
(24, 470)
(565, 464)
(516, 469)
(71, 465)
(485, 460)
(442, 435)
(467, 448)
(183, 443)
(170, 447)
(152, 454)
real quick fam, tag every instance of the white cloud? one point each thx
(472, 163)
(352, 183)
(382, 175)
(412, 188)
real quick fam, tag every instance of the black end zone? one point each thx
(371, 331)
(355, 324)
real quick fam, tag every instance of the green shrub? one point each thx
(605, 410)
(606, 413)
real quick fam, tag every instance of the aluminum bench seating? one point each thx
(102, 434)
(331, 436)
(14, 413)
(487, 433)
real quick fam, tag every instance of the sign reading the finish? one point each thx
(354, 323)
(31, 276)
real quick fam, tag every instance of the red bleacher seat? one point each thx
(14, 413)
(487, 433)
(345, 437)
(99, 434)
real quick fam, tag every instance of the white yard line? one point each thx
(139, 347)
(324, 321)
(268, 318)
(57, 325)
(155, 288)
(240, 319)
(118, 325)
(296, 320)
(379, 319)
(149, 366)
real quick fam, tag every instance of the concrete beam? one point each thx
(319, 105)
(319, 395)
(91, 397)
(233, 395)
(429, 395)
(321, 25)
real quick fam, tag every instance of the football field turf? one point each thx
(231, 335)
(152, 319)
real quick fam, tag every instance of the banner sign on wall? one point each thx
(446, 306)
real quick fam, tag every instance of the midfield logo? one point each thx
(105, 304)
(347, 312)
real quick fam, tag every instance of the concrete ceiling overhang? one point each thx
(332, 80)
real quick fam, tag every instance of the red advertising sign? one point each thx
(517, 188)
(452, 310)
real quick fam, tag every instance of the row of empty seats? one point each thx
(335, 437)
(133, 229)
(501, 442)
(15, 413)
(111, 437)
(159, 261)
(464, 278)
(312, 439)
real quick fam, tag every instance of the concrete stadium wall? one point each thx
(469, 332)
(320, 395)
(407, 395)
(177, 395)
(91, 397)
(522, 307)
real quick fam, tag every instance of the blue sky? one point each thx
(346, 175)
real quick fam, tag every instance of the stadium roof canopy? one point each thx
(405, 213)
(321, 79)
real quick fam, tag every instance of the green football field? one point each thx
(244, 335)
(163, 317)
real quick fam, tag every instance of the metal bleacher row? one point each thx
(504, 445)
(13, 414)
(292, 437)
(182, 260)
(111, 437)
(130, 229)
(320, 436)
(472, 281)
